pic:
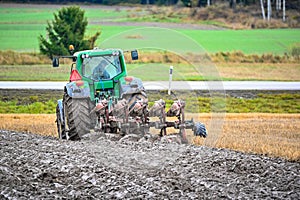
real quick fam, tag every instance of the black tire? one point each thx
(77, 116)
(60, 125)
(200, 130)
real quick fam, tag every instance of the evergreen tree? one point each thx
(67, 28)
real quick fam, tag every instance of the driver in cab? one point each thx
(99, 72)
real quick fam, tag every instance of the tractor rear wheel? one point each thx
(78, 120)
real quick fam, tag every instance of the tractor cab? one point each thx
(102, 72)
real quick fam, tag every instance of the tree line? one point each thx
(292, 4)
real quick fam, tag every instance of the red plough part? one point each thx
(134, 119)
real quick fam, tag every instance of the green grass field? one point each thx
(20, 27)
(23, 37)
(31, 101)
(39, 15)
(34, 103)
(159, 72)
(248, 41)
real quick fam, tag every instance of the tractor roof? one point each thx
(99, 52)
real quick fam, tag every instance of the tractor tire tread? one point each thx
(79, 119)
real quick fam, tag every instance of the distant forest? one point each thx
(289, 4)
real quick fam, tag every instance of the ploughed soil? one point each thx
(42, 167)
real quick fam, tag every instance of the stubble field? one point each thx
(275, 135)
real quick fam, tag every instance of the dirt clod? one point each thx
(39, 167)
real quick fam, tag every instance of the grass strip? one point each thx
(261, 103)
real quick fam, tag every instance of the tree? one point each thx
(187, 3)
(283, 10)
(232, 4)
(269, 6)
(68, 27)
(262, 9)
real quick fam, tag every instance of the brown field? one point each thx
(276, 135)
(260, 71)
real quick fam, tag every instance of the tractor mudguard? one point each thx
(132, 85)
(78, 89)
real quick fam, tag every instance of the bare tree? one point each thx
(233, 4)
(269, 10)
(262, 9)
(279, 5)
(283, 9)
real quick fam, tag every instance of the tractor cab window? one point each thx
(101, 67)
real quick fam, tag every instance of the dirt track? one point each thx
(40, 167)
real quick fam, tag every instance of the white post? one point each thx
(208, 2)
(170, 79)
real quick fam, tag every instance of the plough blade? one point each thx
(127, 119)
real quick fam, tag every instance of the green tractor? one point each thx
(101, 97)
